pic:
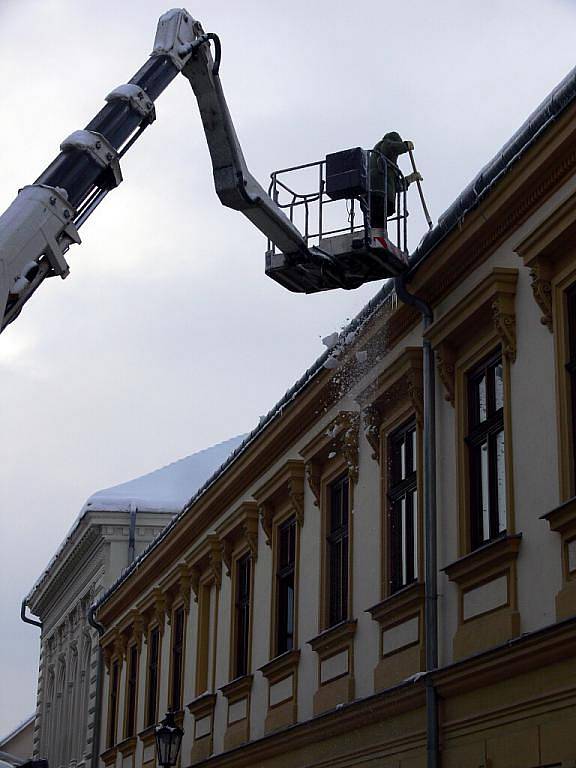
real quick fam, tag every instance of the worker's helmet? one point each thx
(392, 136)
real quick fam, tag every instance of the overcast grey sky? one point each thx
(167, 336)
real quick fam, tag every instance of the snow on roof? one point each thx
(166, 489)
(16, 730)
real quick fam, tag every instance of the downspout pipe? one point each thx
(93, 621)
(430, 525)
(132, 533)
(27, 619)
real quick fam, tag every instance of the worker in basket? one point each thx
(384, 181)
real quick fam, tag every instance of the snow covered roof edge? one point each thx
(118, 505)
(16, 730)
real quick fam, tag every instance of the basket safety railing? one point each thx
(311, 207)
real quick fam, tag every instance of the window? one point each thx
(153, 663)
(403, 507)
(113, 705)
(242, 615)
(177, 657)
(571, 369)
(485, 440)
(337, 551)
(286, 561)
(203, 638)
(131, 690)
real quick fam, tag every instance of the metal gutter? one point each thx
(562, 96)
(25, 618)
(430, 525)
(546, 113)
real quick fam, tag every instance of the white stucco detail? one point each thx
(149, 752)
(334, 666)
(202, 727)
(400, 635)
(282, 690)
(237, 711)
(491, 595)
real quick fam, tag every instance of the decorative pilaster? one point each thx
(286, 486)
(240, 528)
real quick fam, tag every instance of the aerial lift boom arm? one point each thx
(43, 221)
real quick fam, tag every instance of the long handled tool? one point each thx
(418, 179)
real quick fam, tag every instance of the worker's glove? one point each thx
(409, 146)
(412, 177)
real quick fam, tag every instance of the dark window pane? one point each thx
(153, 658)
(485, 442)
(337, 551)
(132, 688)
(114, 679)
(403, 508)
(177, 657)
(285, 586)
(242, 615)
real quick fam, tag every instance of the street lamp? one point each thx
(168, 740)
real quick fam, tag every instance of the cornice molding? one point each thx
(69, 562)
(286, 486)
(489, 303)
(240, 526)
(401, 382)
(338, 439)
(544, 249)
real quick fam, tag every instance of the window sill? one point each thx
(238, 720)
(148, 734)
(334, 638)
(128, 746)
(401, 604)
(488, 601)
(202, 709)
(335, 649)
(108, 757)
(562, 520)
(202, 705)
(487, 559)
(282, 675)
(237, 688)
(281, 666)
(401, 644)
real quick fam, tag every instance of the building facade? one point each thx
(286, 615)
(114, 526)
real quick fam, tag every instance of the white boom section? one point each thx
(235, 185)
(35, 232)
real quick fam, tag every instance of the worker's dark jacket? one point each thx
(390, 146)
